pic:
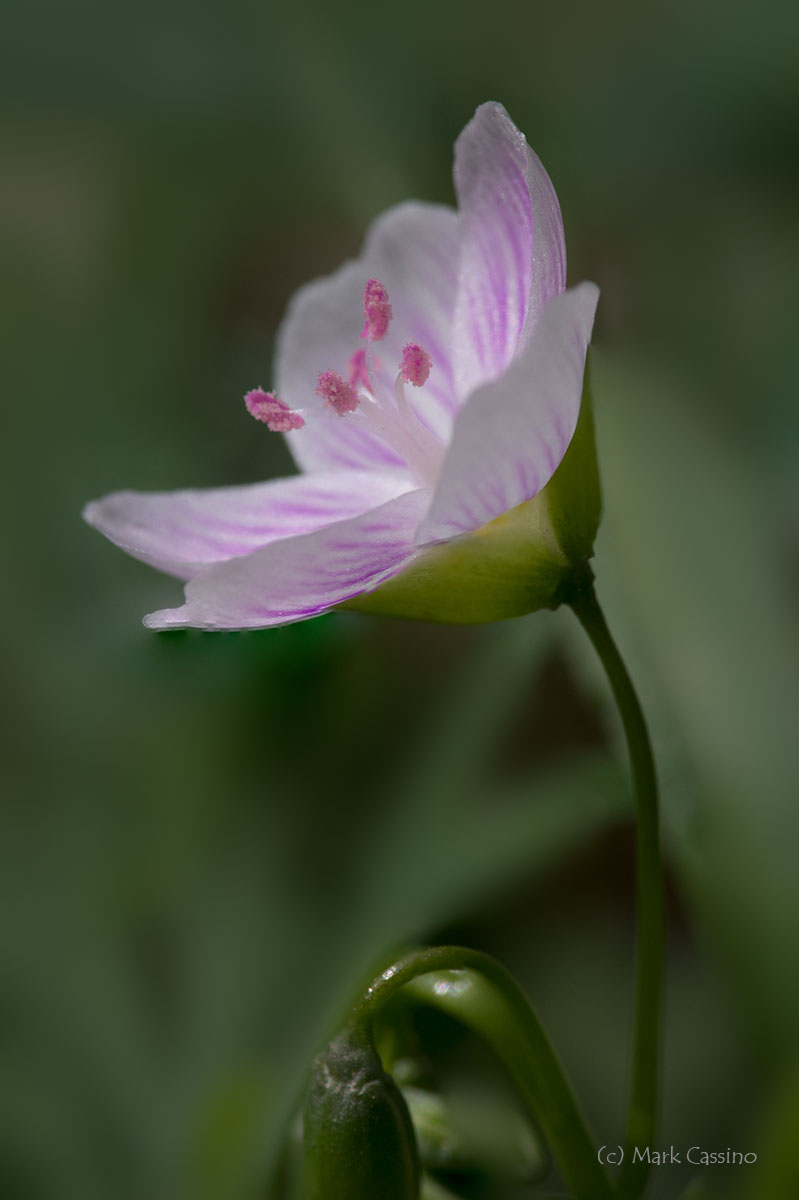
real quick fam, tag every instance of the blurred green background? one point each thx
(210, 840)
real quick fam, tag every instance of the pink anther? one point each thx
(274, 413)
(337, 394)
(416, 364)
(377, 311)
(358, 370)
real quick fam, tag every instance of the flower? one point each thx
(425, 440)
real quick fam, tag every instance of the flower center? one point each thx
(365, 398)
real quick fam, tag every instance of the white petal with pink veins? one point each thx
(412, 249)
(184, 532)
(511, 434)
(300, 577)
(513, 256)
(320, 332)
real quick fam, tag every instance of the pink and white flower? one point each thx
(417, 433)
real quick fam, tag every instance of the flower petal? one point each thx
(303, 576)
(511, 434)
(513, 258)
(183, 532)
(320, 331)
(413, 250)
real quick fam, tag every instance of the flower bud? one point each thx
(359, 1139)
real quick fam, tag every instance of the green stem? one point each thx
(502, 1013)
(650, 899)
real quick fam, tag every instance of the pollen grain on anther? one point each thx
(416, 364)
(376, 310)
(274, 412)
(336, 393)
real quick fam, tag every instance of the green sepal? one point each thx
(506, 568)
(534, 556)
(358, 1135)
(574, 495)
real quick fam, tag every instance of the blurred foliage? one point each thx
(208, 841)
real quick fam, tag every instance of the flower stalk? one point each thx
(651, 920)
(478, 991)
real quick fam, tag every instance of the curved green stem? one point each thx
(650, 898)
(494, 1006)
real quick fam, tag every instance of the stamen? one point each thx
(365, 397)
(337, 394)
(377, 311)
(358, 370)
(416, 364)
(274, 412)
(414, 443)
